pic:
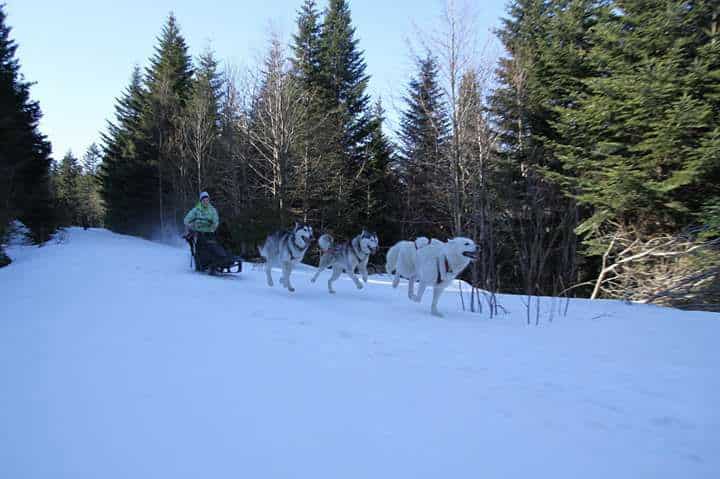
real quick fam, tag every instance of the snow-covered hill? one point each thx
(117, 361)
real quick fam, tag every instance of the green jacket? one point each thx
(203, 219)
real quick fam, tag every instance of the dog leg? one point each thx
(411, 287)
(268, 272)
(355, 279)
(396, 280)
(364, 272)
(287, 270)
(317, 273)
(335, 275)
(421, 290)
(437, 290)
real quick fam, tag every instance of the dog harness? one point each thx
(355, 252)
(447, 269)
(294, 242)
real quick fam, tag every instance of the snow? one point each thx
(117, 361)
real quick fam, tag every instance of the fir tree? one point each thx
(641, 146)
(169, 86)
(423, 138)
(380, 212)
(25, 190)
(67, 189)
(344, 78)
(306, 47)
(128, 173)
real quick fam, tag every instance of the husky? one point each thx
(345, 257)
(438, 264)
(286, 249)
(400, 261)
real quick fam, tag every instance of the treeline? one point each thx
(297, 139)
(586, 162)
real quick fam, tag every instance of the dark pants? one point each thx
(210, 253)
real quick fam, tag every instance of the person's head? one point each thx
(205, 198)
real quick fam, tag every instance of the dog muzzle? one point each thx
(471, 254)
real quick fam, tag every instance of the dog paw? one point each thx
(417, 299)
(359, 286)
(437, 314)
(332, 291)
(291, 289)
(271, 284)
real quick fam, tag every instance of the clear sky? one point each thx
(80, 53)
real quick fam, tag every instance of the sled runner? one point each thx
(208, 255)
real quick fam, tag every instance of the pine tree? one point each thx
(128, 172)
(641, 146)
(423, 139)
(320, 168)
(306, 47)
(344, 78)
(380, 211)
(91, 208)
(67, 190)
(169, 86)
(544, 72)
(25, 190)
(345, 107)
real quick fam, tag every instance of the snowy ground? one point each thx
(117, 361)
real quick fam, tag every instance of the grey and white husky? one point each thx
(346, 257)
(286, 249)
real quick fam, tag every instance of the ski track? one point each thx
(117, 361)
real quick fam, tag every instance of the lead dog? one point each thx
(401, 259)
(438, 264)
(345, 257)
(285, 249)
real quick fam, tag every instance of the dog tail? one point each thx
(326, 242)
(391, 259)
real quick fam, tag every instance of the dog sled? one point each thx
(207, 255)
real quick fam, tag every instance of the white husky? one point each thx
(401, 259)
(285, 249)
(346, 257)
(439, 263)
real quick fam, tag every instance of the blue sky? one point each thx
(80, 53)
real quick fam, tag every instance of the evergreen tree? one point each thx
(306, 47)
(91, 209)
(423, 139)
(543, 73)
(169, 86)
(128, 173)
(318, 149)
(344, 78)
(641, 145)
(25, 190)
(67, 190)
(381, 212)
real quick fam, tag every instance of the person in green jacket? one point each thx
(201, 222)
(203, 217)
